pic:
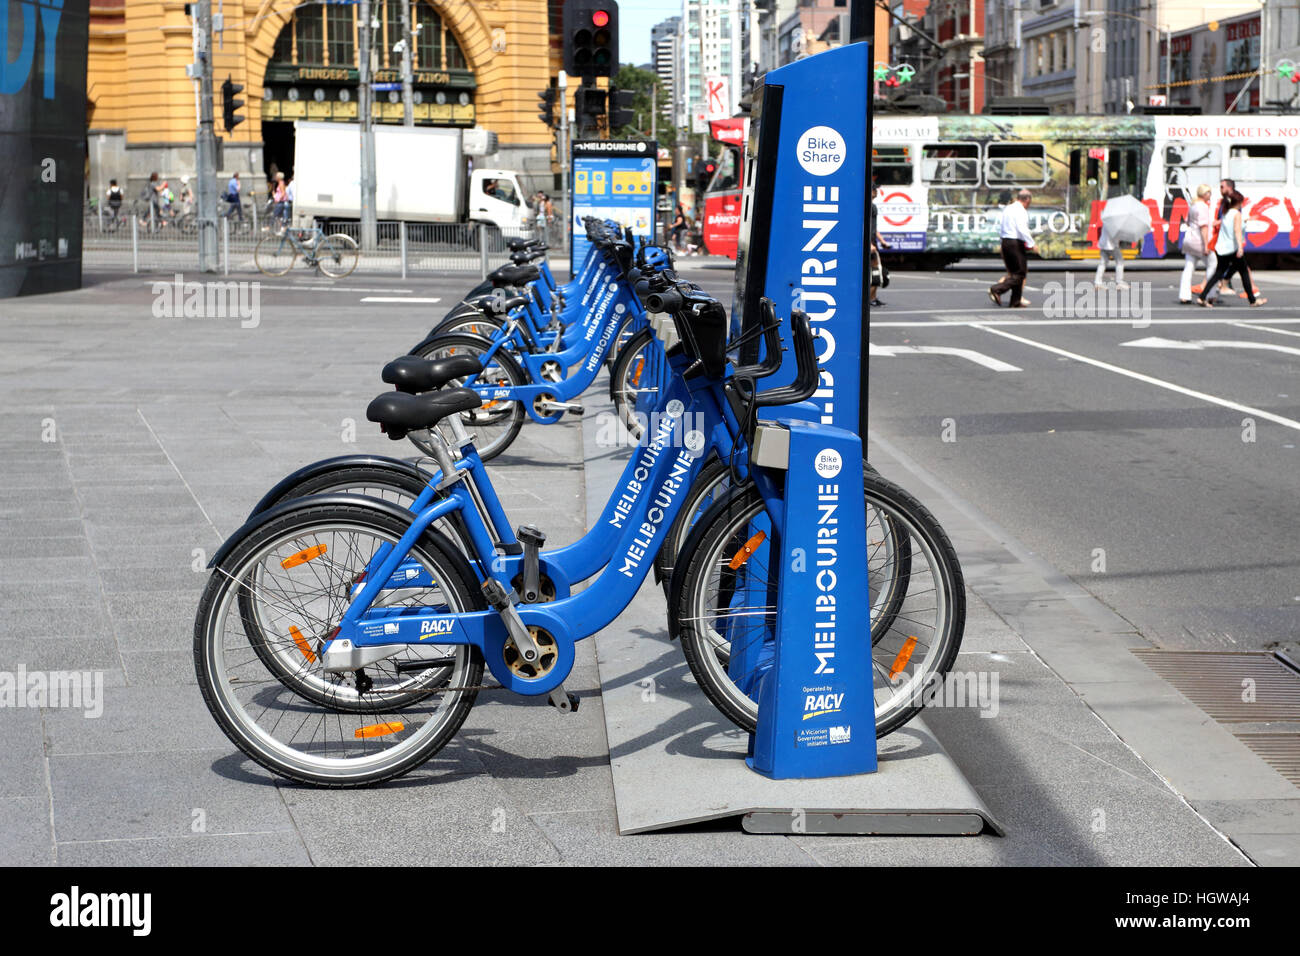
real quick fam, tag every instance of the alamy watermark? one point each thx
(179, 299)
(1089, 300)
(75, 690)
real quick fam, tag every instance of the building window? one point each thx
(309, 34)
(338, 21)
(435, 45)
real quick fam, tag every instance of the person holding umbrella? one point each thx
(1124, 219)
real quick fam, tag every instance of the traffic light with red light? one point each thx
(591, 38)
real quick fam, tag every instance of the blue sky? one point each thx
(637, 17)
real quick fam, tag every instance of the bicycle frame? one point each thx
(628, 535)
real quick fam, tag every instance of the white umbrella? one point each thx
(1126, 219)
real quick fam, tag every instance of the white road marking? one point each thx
(1265, 328)
(979, 358)
(1147, 379)
(390, 298)
(1155, 342)
(970, 323)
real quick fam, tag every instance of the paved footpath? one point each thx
(135, 442)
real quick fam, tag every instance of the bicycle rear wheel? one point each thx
(271, 696)
(274, 255)
(498, 421)
(337, 255)
(916, 603)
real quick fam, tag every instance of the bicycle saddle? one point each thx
(514, 275)
(412, 374)
(398, 413)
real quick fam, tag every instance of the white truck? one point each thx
(420, 175)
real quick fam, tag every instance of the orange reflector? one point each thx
(903, 657)
(744, 553)
(636, 376)
(302, 557)
(302, 643)
(380, 730)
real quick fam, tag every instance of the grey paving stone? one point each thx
(22, 756)
(62, 653)
(131, 796)
(85, 621)
(22, 549)
(427, 818)
(1271, 849)
(219, 849)
(25, 838)
(136, 720)
(161, 668)
(898, 851)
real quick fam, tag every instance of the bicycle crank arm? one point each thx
(547, 408)
(563, 701)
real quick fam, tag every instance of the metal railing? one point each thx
(144, 238)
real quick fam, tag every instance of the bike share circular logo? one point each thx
(675, 408)
(821, 150)
(694, 442)
(827, 462)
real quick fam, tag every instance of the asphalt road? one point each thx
(1155, 465)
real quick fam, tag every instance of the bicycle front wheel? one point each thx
(265, 684)
(336, 256)
(916, 603)
(274, 255)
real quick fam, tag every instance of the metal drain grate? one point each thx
(1216, 682)
(1279, 751)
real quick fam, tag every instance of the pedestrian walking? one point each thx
(233, 206)
(279, 200)
(1108, 248)
(877, 266)
(1016, 243)
(1196, 243)
(1230, 246)
(678, 227)
(114, 195)
(290, 192)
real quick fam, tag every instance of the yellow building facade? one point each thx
(475, 63)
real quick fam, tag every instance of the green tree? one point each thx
(641, 83)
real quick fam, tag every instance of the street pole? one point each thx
(562, 83)
(408, 105)
(369, 227)
(654, 110)
(205, 142)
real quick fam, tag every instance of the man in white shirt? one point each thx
(1016, 243)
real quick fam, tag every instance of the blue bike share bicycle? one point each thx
(342, 639)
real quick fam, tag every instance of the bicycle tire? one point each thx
(729, 527)
(621, 393)
(338, 249)
(503, 371)
(221, 690)
(269, 253)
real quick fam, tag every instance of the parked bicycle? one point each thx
(334, 255)
(341, 639)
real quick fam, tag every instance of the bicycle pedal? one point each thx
(563, 701)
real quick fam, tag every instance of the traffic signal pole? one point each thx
(562, 81)
(365, 94)
(205, 141)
